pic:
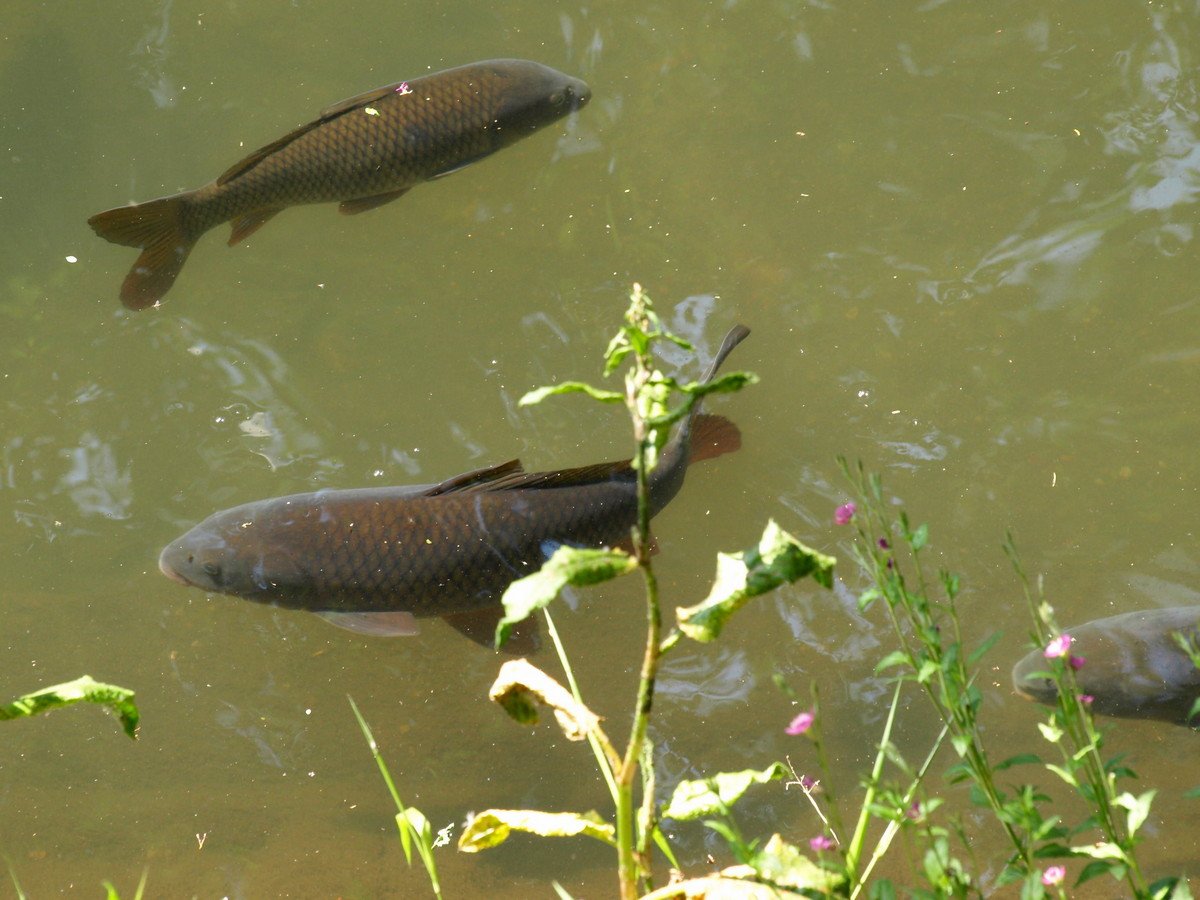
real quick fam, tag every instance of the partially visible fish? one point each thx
(1132, 666)
(364, 152)
(375, 559)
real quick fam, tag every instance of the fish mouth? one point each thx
(166, 569)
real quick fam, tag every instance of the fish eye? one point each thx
(212, 570)
(559, 97)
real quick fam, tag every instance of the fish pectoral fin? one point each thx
(480, 626)
(461, 164)
(362, 204)
(392, 623)
(244, 226)
(490, 479)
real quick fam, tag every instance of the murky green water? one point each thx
(963, 235)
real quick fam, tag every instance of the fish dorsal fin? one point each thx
(330, 112)
(372, 96)
(242, 166)
(584, 475)
(510, 476)
(493, 478)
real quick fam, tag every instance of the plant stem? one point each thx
(629, 867)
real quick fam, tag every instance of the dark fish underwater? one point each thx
(364, 152)
(375, 559)
(1132, 666)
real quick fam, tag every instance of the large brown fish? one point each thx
(1132, 666)
(374, 559)
(365, 151)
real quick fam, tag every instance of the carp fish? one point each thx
(364, 152)
(1132, 667)
(374, 560)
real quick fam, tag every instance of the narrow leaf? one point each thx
(493, 826)
(568, 566)
(570, 387)
(1021, 759)
(777, 559)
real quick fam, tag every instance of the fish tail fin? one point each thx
(158, 229)
(713, 436)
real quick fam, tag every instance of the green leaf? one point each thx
(866, 598)
(783, 864)
(983, 648)
(713, 796)
(1099, 850)
(777, 559)
(570, 387)
(1138, 809)
(493, 826)
(415, 820)
(520, 686)
(1021, 759)
(568, 566)
(920, 537)
(1101, 867)
(895, 658)
(84, 688)
(1050, 732)
(1170, 888)
(1062, 773)
(724, 384)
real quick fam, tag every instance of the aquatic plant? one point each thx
(931, 657)
(521, 688)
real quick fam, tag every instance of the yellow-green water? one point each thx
(962, 233)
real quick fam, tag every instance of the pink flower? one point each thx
(1058, 647)
(403, 88)
(1077, 662)
(844, 513)
(820, 842)
(808, 782)
(1053, 875)
(1086, 699)
(801, 723)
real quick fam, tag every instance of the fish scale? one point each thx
(364, 152)
(440, 550)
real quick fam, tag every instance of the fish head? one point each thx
(227, 554)
(1132, 666)
(201, 558)
(533, 96)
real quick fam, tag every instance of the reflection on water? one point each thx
(95, 481)
(1154, 127)
(152, 46)
(703, 682)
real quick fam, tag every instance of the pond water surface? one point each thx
(963, 235)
